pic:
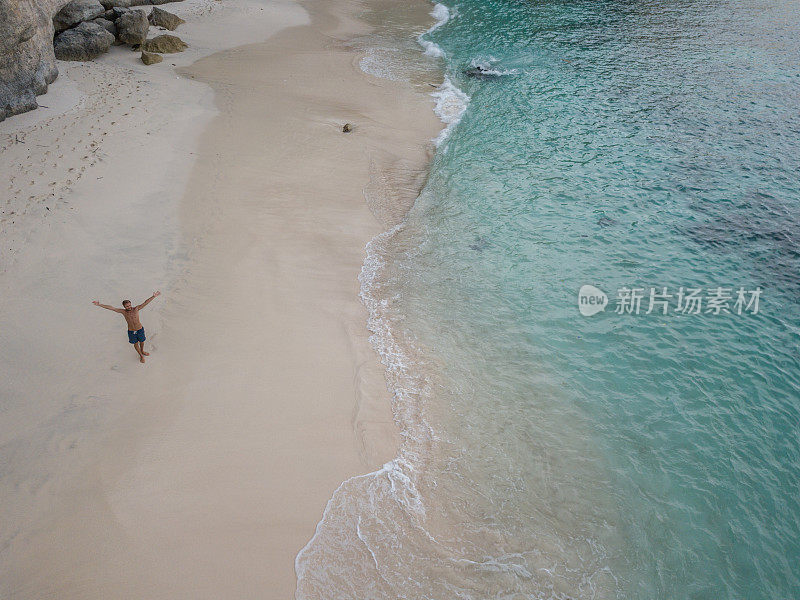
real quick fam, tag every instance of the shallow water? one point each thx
(548, 454)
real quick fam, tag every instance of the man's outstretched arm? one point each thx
(97, 303)
(149, 300)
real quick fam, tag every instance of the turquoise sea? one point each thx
(546, 454)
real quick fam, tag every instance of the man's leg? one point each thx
(137, 347)
(141, 348)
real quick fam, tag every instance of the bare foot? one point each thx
(141, 359)
(145, 353)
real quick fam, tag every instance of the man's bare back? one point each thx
(135, 328)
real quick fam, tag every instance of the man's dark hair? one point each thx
(124, 301)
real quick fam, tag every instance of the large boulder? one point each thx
(129, 3)
(76, 12)
(165, 44)
(162, 18)
(27, 63)
(107, 25)
(112, 14)
(132, 27)
(84, 42)
(119, 3)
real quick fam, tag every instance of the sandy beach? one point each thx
(223, 178)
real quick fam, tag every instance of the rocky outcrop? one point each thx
(162, 18)
(85, 29)
(165, 44)
(27, 63)
(84, 42)
(76, 12)
(481, 73)
(150, 58)
(132, 27)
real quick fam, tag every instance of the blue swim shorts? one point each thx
(136, 336)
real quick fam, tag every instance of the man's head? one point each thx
(126, 304)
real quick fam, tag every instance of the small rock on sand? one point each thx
(151, 58)
(347, 128)
(165, 44)
(162, 18)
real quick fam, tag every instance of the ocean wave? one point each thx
(442, 15)
(451, 104)
(370, 514)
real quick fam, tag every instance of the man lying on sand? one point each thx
(135, 327)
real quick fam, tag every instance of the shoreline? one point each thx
(224, 449)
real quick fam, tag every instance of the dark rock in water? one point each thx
(606, 221)
(165, 44)
(151, 58)
(76, 12)
(27, 63)
(162, 18)
(481, 73)
(347, 128)
(107, 25)
(84, 42)
(132, 27)
(480, 244)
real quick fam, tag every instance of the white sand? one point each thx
(203, 472)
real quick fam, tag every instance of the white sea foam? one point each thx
(451, 104)
(381, 63)
(370, 517)
(431, 48)
(387, 497)
(442, 15)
